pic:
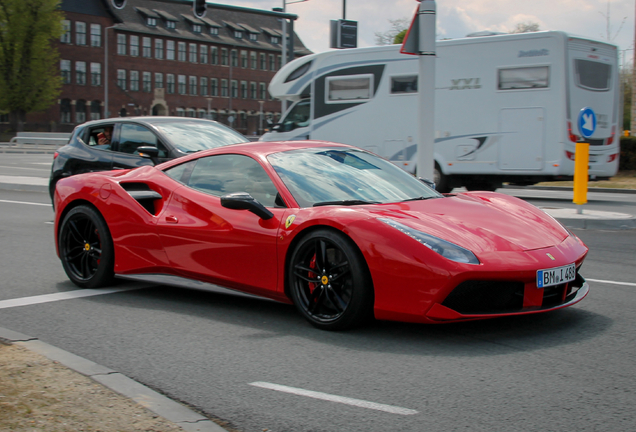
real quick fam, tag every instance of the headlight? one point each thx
(446, 249)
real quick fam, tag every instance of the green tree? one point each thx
(388, 37)
(399, 38)
(29, 78)
(525, 27)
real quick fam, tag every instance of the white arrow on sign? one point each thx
(588, 122)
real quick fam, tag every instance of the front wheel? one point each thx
(86, 248)
(329, 281)
(442, 181)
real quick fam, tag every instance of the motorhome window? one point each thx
(404, 84)
(298, 116)
(593, 75)
(300, 71)
(349, 88)
(524, 78)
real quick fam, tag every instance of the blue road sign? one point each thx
(587, 122)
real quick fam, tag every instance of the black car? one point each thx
(130, 142)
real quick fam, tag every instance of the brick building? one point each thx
(154, 57)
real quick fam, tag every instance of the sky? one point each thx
(457, 18)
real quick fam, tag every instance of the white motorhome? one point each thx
(506, 106)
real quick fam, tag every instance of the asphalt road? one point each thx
(567, 370)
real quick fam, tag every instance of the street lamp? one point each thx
(260, 119)
(284, 44)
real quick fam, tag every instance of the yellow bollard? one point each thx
(581, 162)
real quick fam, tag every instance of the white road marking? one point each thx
(24, 202)
(333, 398)
(46, 298)
(23, 168)
(612, 282)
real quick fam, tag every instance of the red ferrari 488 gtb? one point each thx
(342, 234)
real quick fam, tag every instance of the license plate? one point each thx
(556, 276)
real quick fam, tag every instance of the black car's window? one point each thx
(225, 174)
(320, 176)
(191, 136)
(132, 136)
(99, 137)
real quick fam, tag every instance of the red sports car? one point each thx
(341, 233)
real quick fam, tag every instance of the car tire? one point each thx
(442, 181)
(329, 281)
(86, 248)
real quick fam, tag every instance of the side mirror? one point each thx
(149, 152)
(245, 201)
(427, 182)
(276, 127)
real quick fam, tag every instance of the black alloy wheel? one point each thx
(329, 281)
(86, 248)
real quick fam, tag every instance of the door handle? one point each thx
(172, 219)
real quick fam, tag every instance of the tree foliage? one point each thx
(29, 78)
(388, 37)
(526, 27)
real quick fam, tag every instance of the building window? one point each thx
(182, 84)
(214, 87)
(134, 80)
(275, 40)
(214, 55)
(262, 91)
(170, 50)
(253, 36)
(151, 22)
(234, 58)
(190, 112)
(238, 34)
(203, 50)
(147, 82)
(203, 84)
(171, 24)
(65, 71)
(272, 63)
(66, 35)
(180, 112)
(80, 111)
(80, 72)
(170, 83)
(193, 53)
(223, 57)
(65, 111)
(280, 62)
(263, 62)
(158, 80)
(121, 44)
(159, 49)
(146, 50)
(224, 88)
(244, 89)
(196, 28)
(253, 60)
(96, 35)
(96, 110)
(234, 88)
(244, 59)
(80, 33)
(121, 78)
(253, 90)
(201, 113)
(214, 31)
(193, 85)
(134, 46)
(96, 74)
(182, 51)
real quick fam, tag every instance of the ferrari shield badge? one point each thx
(289, 221)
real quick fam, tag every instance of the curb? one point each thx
(175, 412)
(592, 219)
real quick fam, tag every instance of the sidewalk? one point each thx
(45, 388)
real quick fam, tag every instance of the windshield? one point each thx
(332, 176)
(191, 136)
(297, 117)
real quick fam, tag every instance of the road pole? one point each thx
(426, 87)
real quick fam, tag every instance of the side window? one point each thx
(224, 174)
(534, 77)
(404, 84)
(99, 137)
(180, 172)
(132, 136)
(344, 89)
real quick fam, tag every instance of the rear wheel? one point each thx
(329, 281)
(86, 248)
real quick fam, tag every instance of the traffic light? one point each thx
(198, 8)
(119, 4)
